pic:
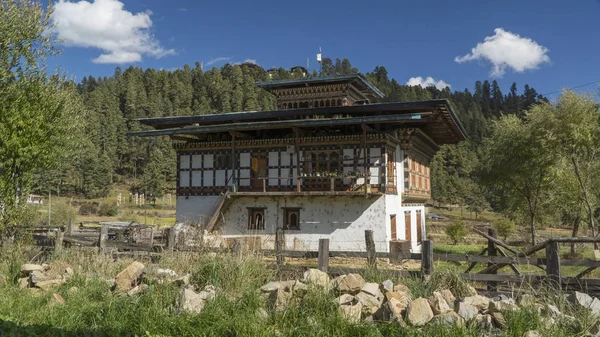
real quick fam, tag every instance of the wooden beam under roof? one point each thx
(240, 135)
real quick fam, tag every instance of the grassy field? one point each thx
(92, 309)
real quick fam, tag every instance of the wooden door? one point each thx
(259, 170)
(393, 225)
(407, 226)
(419, 228)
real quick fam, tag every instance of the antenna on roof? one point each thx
(319, 59)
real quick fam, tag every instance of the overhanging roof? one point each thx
(435, 118)
(359, 81)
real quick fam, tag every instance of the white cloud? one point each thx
(507, 50)
(253, 61)
(122, 36)
(217, 60)
(427, 82)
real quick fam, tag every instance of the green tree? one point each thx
(457, 231)
(39, 114)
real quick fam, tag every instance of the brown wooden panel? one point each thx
(407, 226)
(419, 227)
(393, 224)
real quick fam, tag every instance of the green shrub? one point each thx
(108, 210)
(61, 214)
(505, 227)
(457, 231)
(88, 209)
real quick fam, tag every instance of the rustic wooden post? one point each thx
(264, 184)
(553, 261)
(323, 254)
(152, 232)
(58, 241)
(426, 259)
(103, 238)
(238, 248)
(70, 228)
(170, 238)
(492, 251)
(279, 246)
(371, 255)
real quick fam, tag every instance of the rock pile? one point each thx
(35, 276)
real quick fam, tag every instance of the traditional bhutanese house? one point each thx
(327, 164)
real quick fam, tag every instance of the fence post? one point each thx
(323, 254)
(152, 230)
(70, 229)
(492, 286)
(553, 261)
(170, 238)
(58, 241)
(279, 246)
(371, 255)
(103, 238)
(426, 259)
(238, 248)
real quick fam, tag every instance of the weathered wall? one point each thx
(341, 219)
(192, 209)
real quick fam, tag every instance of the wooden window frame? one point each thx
(419, 219)
(287, 213)
(252, 213)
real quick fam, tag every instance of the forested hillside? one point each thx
(107, 156)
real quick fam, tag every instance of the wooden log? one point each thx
(553, 261)
(323, 254)
(58, 241)
(496, 241)
(103, 238)
(170, 239)
(70, 227)
(427, 259)
(371, 255)
(492, 239)
(279, 244)
(585, 272)
(511, 265)
(152, 232)
(473, 264)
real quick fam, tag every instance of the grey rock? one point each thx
(499, 319)
(49, 284)
(29, 267)
(419, 312)
(485, 322)
(190, 301)
(23, 282)
(165, 272)
(271, 286)
(448, 319)
(387, 285)
(373, 290)
(183, 280)
(394, 311)
(552, 310)
(36, 276)
(478, 301)
(502, 306)
(335, 282)
(316, 277)
(370, 303)
(465, 310)
(448, 296)
(346, 299)
(129, 277)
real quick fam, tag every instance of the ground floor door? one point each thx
(393, 226)
(407, 226)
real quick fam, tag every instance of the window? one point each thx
(222, 161)
(256, 218)
(291, 219)
(322, 163)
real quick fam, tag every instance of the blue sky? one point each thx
(548, 44)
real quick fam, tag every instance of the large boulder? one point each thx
(351, 283)
(478, 301)
(316, 277)
(36, 276)
(335, 282)
(419, 312)
(448, 296)
(438, 303)
(586, 301)
(352, 313)
(129, 277)
(280, 299)
(466, 311)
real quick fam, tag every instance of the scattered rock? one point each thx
(370, 303)
(502, 306)
(465, 310)
(419, 312)
(271, 286)
(387, 285)
(346, 299)
(401, 288)
(165, 272)
(128, 278)
(586, 301)
(402, 299)
(280, 299)
(28, 268)
(552, 310)
(57, 299)
(46, 266)
(299, 288)
(183, 280)
(527, 300)
(548, 323)
(334, 283)
(448, 319)
(499, 319)
(373, 290)
(23, 282)
(395, 309)
(36, 276)
(316, 277)
(137, 289)
(352, 313)
(478, 301)
(471, 290)
(352, 283)
(532, 333)
(438, 303)
(193, 302)
(485, 322)
(49, 284)
(448, 296)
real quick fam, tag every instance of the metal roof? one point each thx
(361, 81)
(437, 120)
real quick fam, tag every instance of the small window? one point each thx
(222, 161)
(291, 218)
(256, 218)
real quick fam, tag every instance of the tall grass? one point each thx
(93, 310)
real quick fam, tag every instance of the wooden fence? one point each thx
(151, 240)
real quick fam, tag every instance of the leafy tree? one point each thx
(39, 114)
(457, 231)
(505, 227)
